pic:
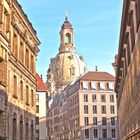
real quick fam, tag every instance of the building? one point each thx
(18, 51)
(86, 109)
(41, 109)
(127, 84)
(67, 65)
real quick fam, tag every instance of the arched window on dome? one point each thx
(68, 38)
(57, 72)
(72, 70)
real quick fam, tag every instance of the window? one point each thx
(57, 72)
(15, 87)
(111, 98)
(72, 71)
(32, 64)
(27, 58)
(113, 133)
(103, 98)
(102, 86)
(95, 133)
(21, 52)
(103, 109)
(84, 85)
(15, 43)
(112, 109)
(68, 38)
(21, 90)
(93, 86)
(27, 95)
(112, 121)
(104, 133)
(94, 98)
(86, 119)
(111, 86)
(85, 109)
(14, 129)
(37, 97)
(95, 121)
(104, 121)
(37, 120)
(85, 98)
(32, 98)
(138, 13)
(86, 133)
(94, 109)
(37, 108)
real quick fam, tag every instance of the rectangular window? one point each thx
(86, 119)
(113, 133)
(21, 52)
(86, 133)
(21, 90)
(37, 120)
(32, 64)
(37, 108)
(103, 109)
(112, 121)
(85, 109)
(85, 85)
(27, 58)
(94, 98)
(112, 109)
(111, 98)
(27, 95)
(32, 98)
(95, 121)
(95, 133)
(15, 45)
(85, 98)
(104, 121)
(94, 109)
(37, 97)
(72, 71)
(138, 13)
(104, 133)
(103, 98)
(15, 87)
(102, 86)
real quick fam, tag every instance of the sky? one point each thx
(96, 29)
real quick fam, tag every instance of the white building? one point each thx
(41, 108)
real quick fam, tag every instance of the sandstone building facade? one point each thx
(18, 51)
(127, 85)
(85, 110)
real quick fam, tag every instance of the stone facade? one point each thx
(18, 51)
(85, 110)
(127, 85)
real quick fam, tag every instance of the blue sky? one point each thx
(96, 29)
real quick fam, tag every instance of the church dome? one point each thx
(67, 66)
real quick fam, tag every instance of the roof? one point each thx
(66, 24)
(40, 84)
(98, 76)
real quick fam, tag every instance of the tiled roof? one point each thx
(98, 76)
(40, 84)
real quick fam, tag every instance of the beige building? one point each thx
(127, 85)
(41, 109)
(85, 110)
(18, 51)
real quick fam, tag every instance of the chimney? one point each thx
(96, 68)
(41, 76)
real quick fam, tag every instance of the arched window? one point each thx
(27, 130)
(68, 38)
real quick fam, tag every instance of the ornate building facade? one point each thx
(67, 65)
(85, 110)
(127, 85)
(18, 51)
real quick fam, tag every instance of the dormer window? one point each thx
(72, 71)
(93, 86)
(102, 86)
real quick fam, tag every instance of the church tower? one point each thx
(67, 66)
